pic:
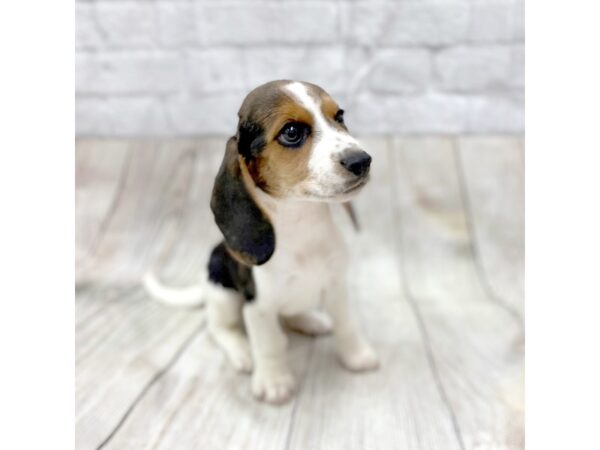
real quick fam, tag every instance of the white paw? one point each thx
(273, 385)
(361, 358)
(313, 323)
(241, 359)
(236, 347)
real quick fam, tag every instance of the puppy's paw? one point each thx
(359, 357)
(241, 359)
(236, 347)
(313, 323)
(273, 385)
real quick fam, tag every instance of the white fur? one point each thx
(313, 323)
(306, 272)
(225, 325)
(328, 143)
(188, 297)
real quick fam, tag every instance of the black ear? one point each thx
(251, 139)
(248, 233)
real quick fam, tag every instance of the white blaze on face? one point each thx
(329, 142)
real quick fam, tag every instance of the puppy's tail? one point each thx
(189, 297)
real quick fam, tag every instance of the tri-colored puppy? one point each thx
(282, 257)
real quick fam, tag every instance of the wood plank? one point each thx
(133, 229)
(125, 342)
(452, 355)
(99, 169)
(200, 402)
(195, 233)
(400, 405)
(140, 341)
(474, 343)
(492, 175)
(164, 183)
(95, 319)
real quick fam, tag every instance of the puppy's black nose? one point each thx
(357, 162)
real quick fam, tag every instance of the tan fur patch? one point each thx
(277, 169)
(329, 107)
(239, 257)
(250, 184)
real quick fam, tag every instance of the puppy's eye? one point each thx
(293, 134)
(339, 116)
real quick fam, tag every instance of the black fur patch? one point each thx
(226, 271)
(247, 230)
(251, 140)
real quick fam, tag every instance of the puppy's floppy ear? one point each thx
(248, 233)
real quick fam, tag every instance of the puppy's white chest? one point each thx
(306, 276)
(309, 254)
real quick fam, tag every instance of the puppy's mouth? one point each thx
(348, 192)
(355, 186)
(342, 194)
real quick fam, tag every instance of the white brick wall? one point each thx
(182, 67)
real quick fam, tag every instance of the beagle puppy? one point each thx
(282, 258)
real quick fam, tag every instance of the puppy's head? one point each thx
(295, 143)
(291, 143)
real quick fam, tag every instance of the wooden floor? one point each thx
(437, 278)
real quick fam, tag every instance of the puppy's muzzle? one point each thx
(357, 162)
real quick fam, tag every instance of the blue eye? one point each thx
(339, 116)
(293, 134)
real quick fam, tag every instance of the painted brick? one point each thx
(176, 24)
(411, 23)
(495, 22)
(430, 113)
(92, 117)
(473, 69)
(131, 116)
(397, 71)
(126, 73)
(127, 24)
(519, 20)
(517, 74)
(126, 116)
(206, 115)
(87, 34)
(496, 114)
(268, 22)
(324, 66)
(178, 67)
(215, 70)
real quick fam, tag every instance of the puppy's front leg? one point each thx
(272, 379)
(353, 349)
